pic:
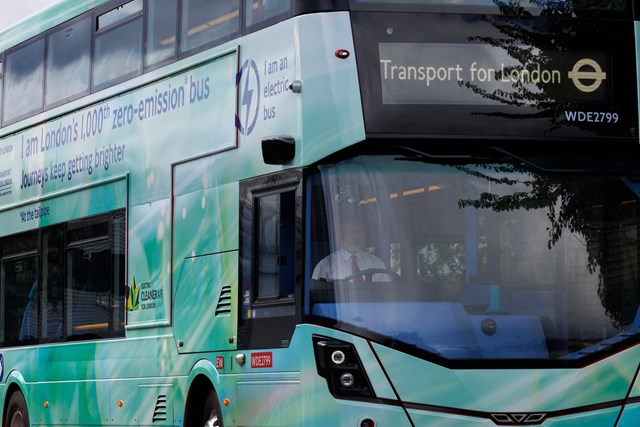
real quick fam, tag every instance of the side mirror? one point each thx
(278, 150)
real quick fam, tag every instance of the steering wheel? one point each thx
(370, 272)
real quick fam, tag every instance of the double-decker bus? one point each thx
(300, 213)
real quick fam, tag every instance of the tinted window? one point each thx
(525, 7)
(161, 31)
(1, 86)
(276, 220)
(95, 278)
(119, 14)
(270, 260)
(88, 281)
(71, 289)
(118, 54)
(204, 21)
(18, 275)
(24, 81)
(52, 291)
(511, 262)
(88, 231)
(20, 284)
(257, 11)
(68, 62)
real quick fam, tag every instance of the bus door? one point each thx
(270, 294)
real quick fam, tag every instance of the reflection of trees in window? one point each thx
(600, 210)
(525, 258)
(442, 266)
(396, 259)
(521, 42)
(531, 46)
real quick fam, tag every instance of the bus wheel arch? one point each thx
(203, 405)
(16, 413)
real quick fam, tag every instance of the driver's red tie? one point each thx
(355, 270)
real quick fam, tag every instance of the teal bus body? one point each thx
(159, 233)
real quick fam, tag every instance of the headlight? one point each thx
(339, 364)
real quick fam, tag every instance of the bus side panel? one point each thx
(205, 261)
(205, 303)
(149, 261)
(329, 81)
(160, 401)
(205, 222)
(68, 403)
(275, 401)
(630, 416)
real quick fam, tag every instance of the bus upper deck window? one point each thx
(1, 86)
(118, 48)
(257, 11)
(205, 21)
(162, 18)
(68, 63)
(24, 81)
(119, 14)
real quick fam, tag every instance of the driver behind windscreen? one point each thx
(351, 258)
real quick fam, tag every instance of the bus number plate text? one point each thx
(261, 360)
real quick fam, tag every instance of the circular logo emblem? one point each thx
(587, 70)
(249, 92)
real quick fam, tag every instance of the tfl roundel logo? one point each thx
(587, 75)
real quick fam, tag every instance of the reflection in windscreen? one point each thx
(488, 261)
(543, 7)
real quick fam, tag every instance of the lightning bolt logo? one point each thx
(246, 99)
(247, 116)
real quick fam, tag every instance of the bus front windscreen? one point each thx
(478, 258)
(524, 7)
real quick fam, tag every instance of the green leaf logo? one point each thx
(133, 296)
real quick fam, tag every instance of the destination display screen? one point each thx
(485, 75)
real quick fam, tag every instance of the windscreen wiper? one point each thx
(416, 155)
(533, 164)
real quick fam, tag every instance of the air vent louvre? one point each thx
(160, 411)
(223, 308)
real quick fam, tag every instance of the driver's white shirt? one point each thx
(337, 266)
